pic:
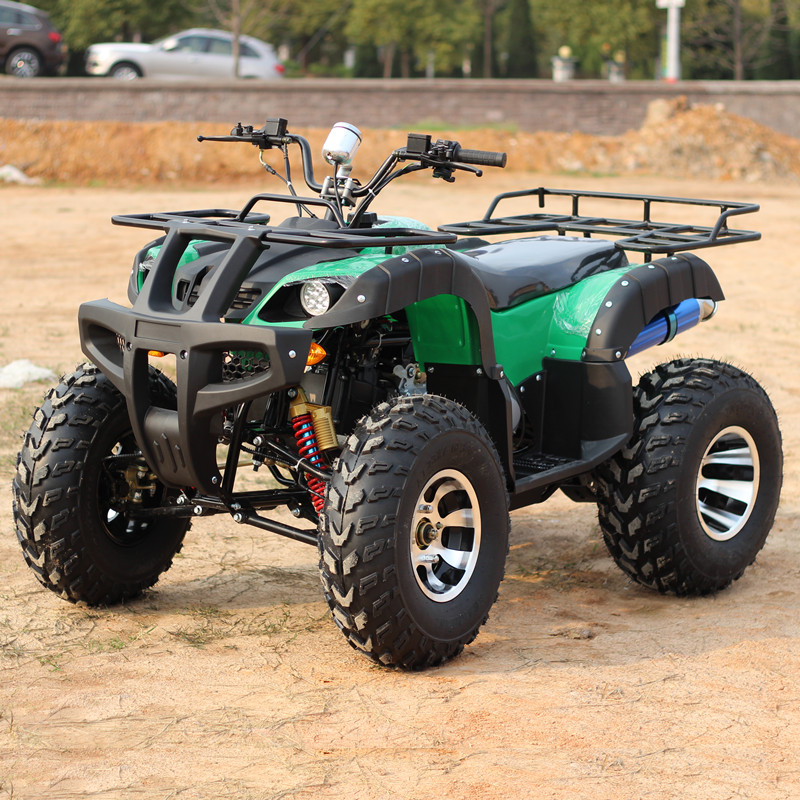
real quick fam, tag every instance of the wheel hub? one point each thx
(25, 65)
(126, 484)
(727, 483)
(446, 535)
(425, 534)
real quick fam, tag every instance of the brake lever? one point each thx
(445, 171)
(468, 168)
(273, 134)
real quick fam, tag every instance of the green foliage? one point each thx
(782, 48)
(85, 22)
(595, 31)
(312, 32)
(740, 39)
(721, 39)
(519, 54)
(414, 29)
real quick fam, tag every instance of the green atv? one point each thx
(403, 388)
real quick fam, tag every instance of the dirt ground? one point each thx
(229, 679)
(676, 139)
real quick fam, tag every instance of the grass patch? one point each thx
(52, 661)
(116, 643)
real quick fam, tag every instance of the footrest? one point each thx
(538, 462)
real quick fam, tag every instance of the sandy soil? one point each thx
(676, 139)
(229, 680)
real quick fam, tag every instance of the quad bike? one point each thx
(402, 388)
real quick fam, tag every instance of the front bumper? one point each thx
(180, 444)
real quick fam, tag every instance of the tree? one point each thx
(781, 58)
(489, 9)
(414, 29)
(592, 30)
(728, 38)
(520, 40)
(312, 32)
(84, 22)
(243, 17)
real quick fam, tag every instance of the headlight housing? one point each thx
(315, 297)
(300, 300)
(142, 264)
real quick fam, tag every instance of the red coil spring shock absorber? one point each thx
(307, 445)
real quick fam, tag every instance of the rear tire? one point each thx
(74, 494)
(414, 532)
(24, 62)
(688, 504)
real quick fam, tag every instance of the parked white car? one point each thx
(196, 54)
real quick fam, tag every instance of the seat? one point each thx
(517, 270)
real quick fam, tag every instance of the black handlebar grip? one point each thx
(480, 158)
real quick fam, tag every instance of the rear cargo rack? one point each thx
(217, 224)
(643, 233)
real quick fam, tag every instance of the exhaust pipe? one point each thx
(665, 327)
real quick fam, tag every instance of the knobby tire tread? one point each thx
(357, 558)
(46, 486)
(637, 489)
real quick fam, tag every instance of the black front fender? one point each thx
(403, 280)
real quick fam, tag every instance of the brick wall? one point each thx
(596, 107)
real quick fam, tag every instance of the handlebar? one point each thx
(480, 158)
(444, 157)
(444, 152)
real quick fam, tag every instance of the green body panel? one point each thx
(189, 254)
(444, 331)
(346, 268)
(552, 326)
(367, 258)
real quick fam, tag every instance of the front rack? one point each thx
(643, 234)
(217, 224)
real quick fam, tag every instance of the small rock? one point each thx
(18, 373)
(11, 174)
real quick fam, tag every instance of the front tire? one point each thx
(78, 488)
(688, 504)
(125, 71)
(414, 532)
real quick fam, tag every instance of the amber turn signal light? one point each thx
(316, 353)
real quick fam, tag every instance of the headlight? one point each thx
(142, 268)
(146, 264)
(315, 297)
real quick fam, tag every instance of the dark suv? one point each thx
(29, 44)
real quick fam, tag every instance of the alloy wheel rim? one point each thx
(727, 483)
(445, 535)
(126, 74)
(26, 65)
